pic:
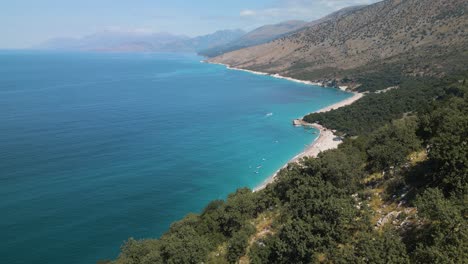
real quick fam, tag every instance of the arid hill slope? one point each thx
(255, 37)
(422, 37)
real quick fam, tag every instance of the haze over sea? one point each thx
(96, 148)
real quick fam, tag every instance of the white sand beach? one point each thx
(272, 75)
(345, 102)
(325, 141)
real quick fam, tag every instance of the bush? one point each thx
(237, 245)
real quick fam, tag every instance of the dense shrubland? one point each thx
(408, 159)
(377, 109)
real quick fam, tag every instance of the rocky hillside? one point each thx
(335, 15)
(412, 37)
(266, 33)
(257, 36)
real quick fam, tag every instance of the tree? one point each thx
(446, 133)
(237, 245)
(262, 250)
(341, 169)
(239, 207)
(445, 234)
(386, 248)
(294, 243)
(184, 246)
(134, 251)
(391, 144)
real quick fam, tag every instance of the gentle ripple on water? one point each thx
(96, 148)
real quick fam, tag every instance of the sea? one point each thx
(99, 147)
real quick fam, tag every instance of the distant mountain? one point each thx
(269, 33)
(218, 38)
(120, 41)
(255, 37)
(411, 37)
(114, 41)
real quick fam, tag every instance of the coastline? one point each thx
(266, 74)
(356, 96)
(326, 139)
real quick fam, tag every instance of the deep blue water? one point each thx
(96, 148)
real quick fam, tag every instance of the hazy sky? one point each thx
(24, 23)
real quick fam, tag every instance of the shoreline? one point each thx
(326, 139)
(356, 96)
(267, 74)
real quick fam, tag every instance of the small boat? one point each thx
(259, 166)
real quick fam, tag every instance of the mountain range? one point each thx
(209, 45)
(269, 33)
(257, 36)
(400, 37)
(126, 41)
(413, 37)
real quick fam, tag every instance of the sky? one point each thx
(25, 23)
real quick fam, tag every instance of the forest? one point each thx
(376, 109)
(394, 192)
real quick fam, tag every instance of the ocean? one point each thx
(97, 148)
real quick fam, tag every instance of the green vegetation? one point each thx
(376, 110)
(371, 78)
(386, 76)
(394, 193)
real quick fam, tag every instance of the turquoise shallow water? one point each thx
(96, 148)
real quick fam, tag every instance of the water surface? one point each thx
(96, 148)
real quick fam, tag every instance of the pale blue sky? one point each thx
(24, 23)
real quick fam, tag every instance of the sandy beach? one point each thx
(325, 141)
(272, 75)
(354, 98)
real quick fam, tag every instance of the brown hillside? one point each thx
(420, 36)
